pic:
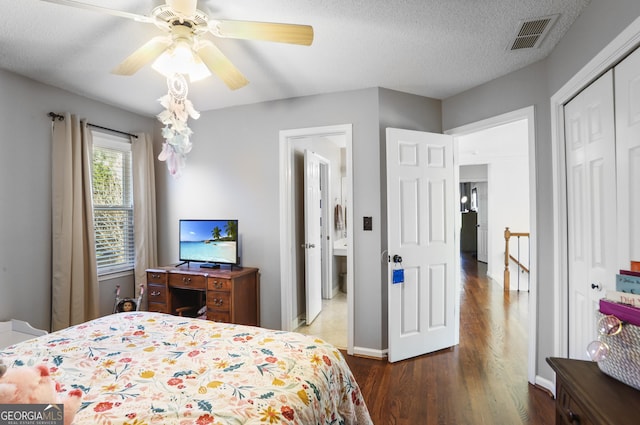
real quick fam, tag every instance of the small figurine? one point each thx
(126, 305)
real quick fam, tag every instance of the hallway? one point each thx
(481, 381)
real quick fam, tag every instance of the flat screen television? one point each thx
(211, 242)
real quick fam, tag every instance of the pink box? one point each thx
(624, 312)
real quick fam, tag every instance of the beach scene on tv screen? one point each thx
(213, 241)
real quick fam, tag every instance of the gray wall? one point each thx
(25, 189)
(233, 171)
(599, 23)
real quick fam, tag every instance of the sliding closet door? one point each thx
(591, 202)
(627, 82)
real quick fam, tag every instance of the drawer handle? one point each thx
(572, 417)
(217, 284)
(155, 293)
(218, 302)
(155, 276)
(186, 280)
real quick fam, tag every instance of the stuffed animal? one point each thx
(33, 385)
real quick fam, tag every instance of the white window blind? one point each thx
(112, 203)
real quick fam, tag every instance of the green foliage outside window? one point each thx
(112, 208)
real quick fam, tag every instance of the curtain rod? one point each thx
(59, 117)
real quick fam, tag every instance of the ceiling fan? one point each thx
(186, 28)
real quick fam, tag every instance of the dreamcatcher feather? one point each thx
(176, 132)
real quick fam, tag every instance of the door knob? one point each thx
(596, 286)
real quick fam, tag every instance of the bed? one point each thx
(143, 368)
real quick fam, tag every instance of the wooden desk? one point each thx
(231, 295)
(587, 396)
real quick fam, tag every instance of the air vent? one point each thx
(532, 32)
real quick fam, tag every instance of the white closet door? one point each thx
(591, 202)
(627, 89)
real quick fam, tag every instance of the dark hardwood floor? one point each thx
(481, 381)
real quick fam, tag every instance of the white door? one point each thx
(591, 207)
(312, 235)
(627, 82)
(420, 226)
(483, 222)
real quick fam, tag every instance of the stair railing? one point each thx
(507, 274)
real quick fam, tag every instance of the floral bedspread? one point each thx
(150, 368)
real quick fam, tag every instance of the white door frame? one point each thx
(617, 49)
(482, 249)
(287, 244)
(326, 253)
(527, 113)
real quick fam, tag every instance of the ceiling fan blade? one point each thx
(218, 63)
(145, 54)
(122, 14)
(267, 31)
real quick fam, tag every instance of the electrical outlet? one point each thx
(367, 223)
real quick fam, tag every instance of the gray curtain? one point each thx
(74, 285)
(144, 209)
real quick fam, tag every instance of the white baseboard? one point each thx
(368, 352)
(297, 322)
(546, 384)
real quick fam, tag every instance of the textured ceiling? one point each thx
(433, 48)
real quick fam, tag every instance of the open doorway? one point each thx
(502, 164)
(473, 210)
(326, 141)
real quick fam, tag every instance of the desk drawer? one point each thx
(157, 293)
(157, 277)
(192, 281)
(216, 316)
(218, 301)
(219, 284)
(568, 410)
(158, 307)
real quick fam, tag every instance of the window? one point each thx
(112, 203)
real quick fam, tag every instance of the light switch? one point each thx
(367, 223)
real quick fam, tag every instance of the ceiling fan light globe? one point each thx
(182, 53)
(199, 70)
(181, 59)
(164, 65)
